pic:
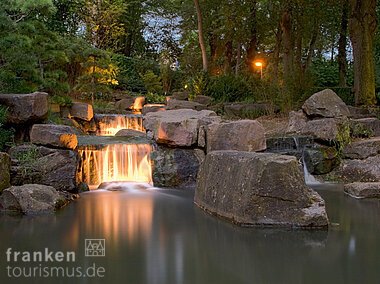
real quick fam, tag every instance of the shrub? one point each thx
(228, 88)
(6, 135)
(155, 98)
(64, 101)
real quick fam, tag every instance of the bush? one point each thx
(6, 135)
(64, 101)
(153, 98)
(228, 88)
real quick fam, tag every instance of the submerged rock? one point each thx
(61, 136)
(25, 108)
(52, 167)
(173, 167)
(258, 189)
(242, 135)
(5, 168)
(130, 133)
(325, 104)
(31, 199)
(363, 189)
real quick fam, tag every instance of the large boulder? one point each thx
(61, 136)
(362, 149)
(178, 127)
(31, 199)
(125, 104)
(52, 167)
(5, 168)
(82, 111)
(297, 122)
(326, 129)
(258, 189)
(325, 104)
(367, 170)
(25, 108)
(174, 167)
(173, 104)
(242, 135)
(363, 189)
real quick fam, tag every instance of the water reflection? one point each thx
(158, 236)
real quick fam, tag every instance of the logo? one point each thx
(95, 247)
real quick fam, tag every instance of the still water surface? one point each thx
(159, 236)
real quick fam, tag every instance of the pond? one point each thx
(159, 236)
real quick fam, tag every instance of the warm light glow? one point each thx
(119, 162)
(110, 125)
(258, 64)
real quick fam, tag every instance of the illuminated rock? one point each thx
(178, 127)
(61, 136)
(82, 111)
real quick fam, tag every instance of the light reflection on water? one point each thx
(158, 236)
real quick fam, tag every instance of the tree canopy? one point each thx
(96, 46)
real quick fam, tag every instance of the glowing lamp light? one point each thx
(260, 65)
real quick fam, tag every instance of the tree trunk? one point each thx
(238, 58)
(228, 57)
(201, 37)
(288, 45)
(362, 25)
(252, 47)
(276, 55)
(342, 46)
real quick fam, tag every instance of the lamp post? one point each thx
(260, 65)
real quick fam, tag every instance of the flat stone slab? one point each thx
(363, 189)
(362, 149)
(258, 189)
(61, 136)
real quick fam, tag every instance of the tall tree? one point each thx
(362, 25)
(342, 47)
(201, 36)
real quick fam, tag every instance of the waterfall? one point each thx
(309, 178)
(109, 125)
(118, 162)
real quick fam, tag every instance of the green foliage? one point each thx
(54, 118)
(152, 82)
(6, 135)
(199, 85)
(64, 101)
(228, 88)
(343, 137)
(359, 130)
(154, 98)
